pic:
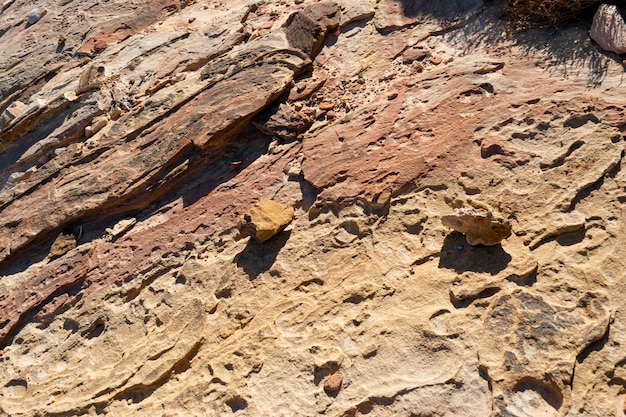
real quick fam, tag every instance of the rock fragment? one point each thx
(11, 113)
(265, 219)
(609, 29)
(91, 78)
(7, 3)
(478, 226)
(62, 245)
(332, 384)
(35, 16)
(97, 124)
(286, 123)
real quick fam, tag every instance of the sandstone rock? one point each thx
(609, 29)
(35, 16)
(478, 226)
(265, 220)
(7, 3)
(14, 110)
(96, 124)
(285, 122)
(62, 245)
(353, 12)
(91, 78)
(533, 326)
(332, 383)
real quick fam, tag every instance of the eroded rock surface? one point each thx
(134, 136)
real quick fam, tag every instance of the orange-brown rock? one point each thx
(265, 219)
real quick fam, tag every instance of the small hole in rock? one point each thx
(237, 403)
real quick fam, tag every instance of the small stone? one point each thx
(122, 227)
(435, 60)
(35, 16)
(97, 124)
(478, 226)
(333, 382)
(326, 105)
(265, 219)
(391, 95)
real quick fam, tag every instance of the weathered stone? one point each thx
(96, 124)
(285, 123)
(14, 110)
(91, 78)
(7, 3)
(609, 29)
(64, 243)
(480, 227)
(332, 383)
(266, 219)
(533, 326)
(35, 16)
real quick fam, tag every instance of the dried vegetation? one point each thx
(545, 13)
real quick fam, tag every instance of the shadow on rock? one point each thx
(257, 258)
(459, 255)
(446, 10)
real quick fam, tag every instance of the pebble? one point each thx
(333, 382)
(435, 60)
(35, 15)
(326, 105)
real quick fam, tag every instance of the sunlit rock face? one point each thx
(135, 137)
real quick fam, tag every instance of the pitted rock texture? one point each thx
(135, 135)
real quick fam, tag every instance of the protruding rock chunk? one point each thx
(332, 384)
(609, 29)
(478, 226)
(265, 219)
(35, 16)
(62, 245)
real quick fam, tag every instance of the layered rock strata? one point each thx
(133, 146)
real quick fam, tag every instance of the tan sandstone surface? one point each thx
(135, 136)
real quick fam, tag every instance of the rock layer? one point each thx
(373, 121)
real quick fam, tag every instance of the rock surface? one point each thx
(372, 121)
